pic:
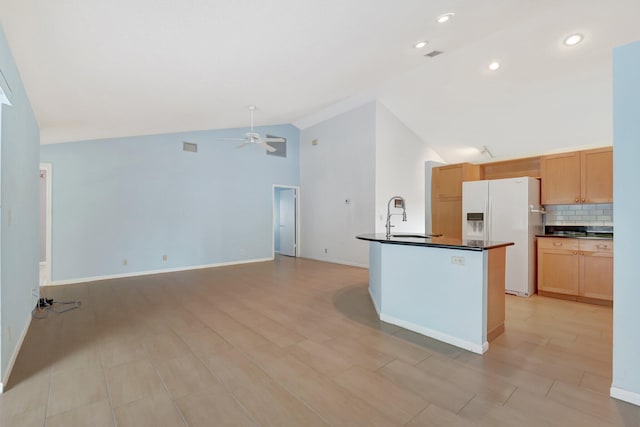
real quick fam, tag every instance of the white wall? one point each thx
(626, 176)
(341, 167)
(400, 171)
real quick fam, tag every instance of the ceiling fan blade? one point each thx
(231, 139)
(267, 147)
(273, 139)
(244, 144)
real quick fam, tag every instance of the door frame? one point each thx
(273, 216)
(48, 168)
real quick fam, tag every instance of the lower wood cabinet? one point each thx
(578, 269)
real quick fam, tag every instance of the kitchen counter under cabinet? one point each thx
(579, 269)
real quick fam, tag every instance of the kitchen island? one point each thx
(445, 288)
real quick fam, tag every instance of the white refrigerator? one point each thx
(506, 210)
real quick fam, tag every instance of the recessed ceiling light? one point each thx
(444, 18)
(421, 44)
(573, 39)
(494, 65)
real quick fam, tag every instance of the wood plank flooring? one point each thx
(295, 342)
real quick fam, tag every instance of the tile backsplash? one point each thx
(589, 215)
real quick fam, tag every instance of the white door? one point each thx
(475, 200)
(287, 221)
(510, 223)
(45, 224)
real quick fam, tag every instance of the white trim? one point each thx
(351, 264)
(14, 356)
(48, 168)
(148, 272)
(373, 300)
(467, 345)
(297, 218)
(625, 395)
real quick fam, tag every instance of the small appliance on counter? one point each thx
(506, 210)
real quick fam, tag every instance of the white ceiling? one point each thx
(95, 68)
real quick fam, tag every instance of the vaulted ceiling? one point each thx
(95, 69)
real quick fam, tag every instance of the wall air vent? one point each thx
(189, 146)
(281, 147)
(434, 53)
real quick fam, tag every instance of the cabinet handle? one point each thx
(575, 253)
(557, 244)
(601, 246)
(583, 200)
(577, 199)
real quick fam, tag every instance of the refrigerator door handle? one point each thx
(487, 219)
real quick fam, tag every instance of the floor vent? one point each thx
(434, 53)
(189, 146)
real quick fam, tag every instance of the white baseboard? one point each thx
(14, 356)
(375, 305)
(467, 345)
(625, 395)
(148, 272)
(333, 261)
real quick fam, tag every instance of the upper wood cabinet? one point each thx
(577, 177)
(446, 197)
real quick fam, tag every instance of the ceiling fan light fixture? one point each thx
(445, 17)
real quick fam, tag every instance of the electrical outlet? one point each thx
(457, 260)
(125, 262)
(164, 257)
(325, 250)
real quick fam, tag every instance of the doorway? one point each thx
(285, 220)
(45, 224)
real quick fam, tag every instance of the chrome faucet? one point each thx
(398, 203)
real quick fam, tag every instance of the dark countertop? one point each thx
(578, 232)
(412, 239)
(591, 236)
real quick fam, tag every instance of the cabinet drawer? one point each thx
(558, 243)
(597, 246)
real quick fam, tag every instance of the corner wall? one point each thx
(139, 198)
(19, 226)
(626, 175)
(400, 171)
(340, 168)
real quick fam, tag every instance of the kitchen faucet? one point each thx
(398, 203)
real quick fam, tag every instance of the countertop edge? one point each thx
(573, 237)
(427, 243)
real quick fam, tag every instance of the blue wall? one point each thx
(626, 176)
(19, 180)
(140, 198)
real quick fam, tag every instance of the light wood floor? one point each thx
(296, 342)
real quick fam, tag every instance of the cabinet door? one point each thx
(560, 175)
(558, 271)
(448, 218)
(597, 276)
(596, 269)
(449, 181)
(597, 175)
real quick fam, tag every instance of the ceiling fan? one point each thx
(254, 137)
